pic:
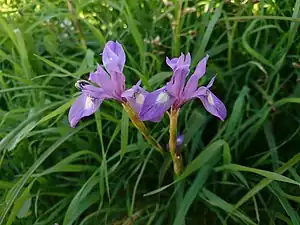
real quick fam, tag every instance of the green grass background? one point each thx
(241, 171)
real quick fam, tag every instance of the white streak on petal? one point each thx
(89, 104)
(210, 99)
(162, 97)
(140, 98)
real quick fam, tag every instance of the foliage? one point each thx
(241, 171)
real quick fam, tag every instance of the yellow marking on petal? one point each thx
(89, 103)
(162, 97)
(210, 99)
(139, 98)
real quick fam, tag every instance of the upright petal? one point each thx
(177, 82)
(156, 104)
(118, 81)
(83, 106)
(100, 77)
(180, 66)
(211, 82)
(172, 62)
(113, 57)
(135, 96)
(177, 62)
(192, 83)
(213, 104)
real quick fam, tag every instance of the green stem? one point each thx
(141, 127)
(176, 156)
(176, 32)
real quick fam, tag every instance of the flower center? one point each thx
(162, 97)
(89, 102)
(210, 99)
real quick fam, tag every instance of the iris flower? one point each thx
(177, 92)
(108, 83)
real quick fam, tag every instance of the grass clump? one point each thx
(241, 171)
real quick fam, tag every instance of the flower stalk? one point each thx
(175, 152)
(141, 127)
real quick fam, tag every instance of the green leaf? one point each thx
(15, 191)
(192, 193)
(267, 174)
(212, 152)
(124, 132)
(207, 35)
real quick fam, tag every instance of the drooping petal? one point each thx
(113, 57)
(135, 96)
(155, 105)
(192, 83)
(83, 106)
(213, 104)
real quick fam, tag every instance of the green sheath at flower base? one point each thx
(141, 127)
(176, 156)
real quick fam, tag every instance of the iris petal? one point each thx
(101, 78)
(155, 105)
(213, 104)
(118, 80)
(176, 85)
(192, 83)
(180, 66)
(83, 106)
(113, 57)
(135, 96)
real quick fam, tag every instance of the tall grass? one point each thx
(241, 171)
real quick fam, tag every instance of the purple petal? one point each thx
(157, 119)
(181, 61)
(213, 105)
(95, 92)
(172, 62)
(113, 57)
(156, 104)
(118, 80)
(135, 96)
(211, 82)
(192, 83)
(83, 106)
(176, 84)
(101, 78)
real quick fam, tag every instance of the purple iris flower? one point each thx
(108, 83)
(177, 92)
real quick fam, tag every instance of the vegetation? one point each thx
(244, 170)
